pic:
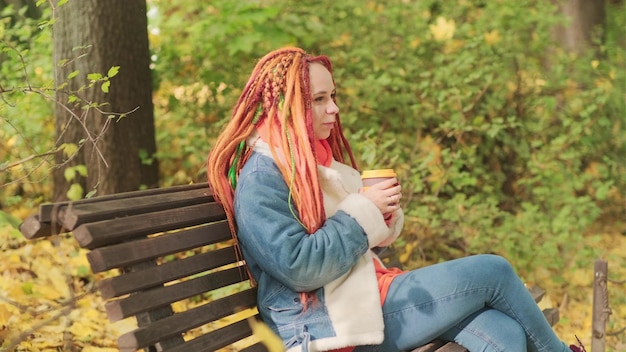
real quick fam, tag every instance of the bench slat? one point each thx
(166, 272)
(33, 228)
(187, 320)
(162, 296)
(127, 253)
(257, 347)
(221, 338)
(47, 212)
(452, 347)
(75, 214)
(429, 347)
(101, 233)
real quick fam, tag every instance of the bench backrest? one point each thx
(169, 261)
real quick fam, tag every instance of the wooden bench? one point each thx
(161, 247)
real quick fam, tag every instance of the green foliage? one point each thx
(26, 123)
(28, 97)
(504, 142)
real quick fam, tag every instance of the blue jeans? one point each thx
(478, 302)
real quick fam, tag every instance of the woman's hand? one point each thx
(385, 195)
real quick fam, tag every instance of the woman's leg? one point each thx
(476, 333)
(426, 303)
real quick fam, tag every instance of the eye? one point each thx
(333, 95)
(319, 99)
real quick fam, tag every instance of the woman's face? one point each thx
(322, 94)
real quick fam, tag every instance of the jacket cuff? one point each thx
(368, 216)
(397, 223)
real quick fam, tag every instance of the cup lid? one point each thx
(378, 173)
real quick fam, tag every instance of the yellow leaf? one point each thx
(492, 37)
(6, 312)
(595, 63)
(266, 336)
(443, 29)
(85, 329)
(98, 349)
(47, 292)
(415, 42)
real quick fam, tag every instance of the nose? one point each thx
(332, 108)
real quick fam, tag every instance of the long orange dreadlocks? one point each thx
(278, 90)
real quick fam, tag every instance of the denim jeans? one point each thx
(478, 302)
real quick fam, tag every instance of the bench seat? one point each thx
(170, 264)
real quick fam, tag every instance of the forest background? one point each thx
(507, 137)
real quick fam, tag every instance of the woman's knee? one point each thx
(495, 264)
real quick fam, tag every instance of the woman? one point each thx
(309, 232)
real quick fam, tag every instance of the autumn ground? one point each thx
(48, 301)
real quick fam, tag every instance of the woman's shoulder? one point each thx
(258, 162)
(260, 169)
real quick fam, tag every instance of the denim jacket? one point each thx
(335, 262)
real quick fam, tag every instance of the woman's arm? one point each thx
(272, 234)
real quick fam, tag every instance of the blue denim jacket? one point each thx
(285, 260)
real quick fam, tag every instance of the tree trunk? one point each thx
(109, 33)
(586, 18)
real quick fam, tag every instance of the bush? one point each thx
(504, 142)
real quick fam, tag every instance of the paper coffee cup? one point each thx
(371, 177)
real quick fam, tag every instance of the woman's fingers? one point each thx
(385, 195)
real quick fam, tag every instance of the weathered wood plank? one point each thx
(221, 338)
(147, 318)
(551, 315)
(452, 347)
(47, 211)
(162, 296)
(32, 228)
(185, 321)
(127, 253)
(257, 347)
(74, 214)
(537, 293)
(601, 309)
(429, 347)
(101, 233)
(152, 277)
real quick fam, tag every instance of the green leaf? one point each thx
(72, 74)
(94, 76)
(6, 218)
(83, 271)
(91, 193)
(113, 71)
(75, 192)
(81, 169)
(69, 174)
(105, 86)
(27, 288)
(69, 149)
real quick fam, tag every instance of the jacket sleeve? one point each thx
(395, 228)
(271, 232)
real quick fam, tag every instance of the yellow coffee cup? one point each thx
(371, 177)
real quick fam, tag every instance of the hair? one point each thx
(277, 94)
